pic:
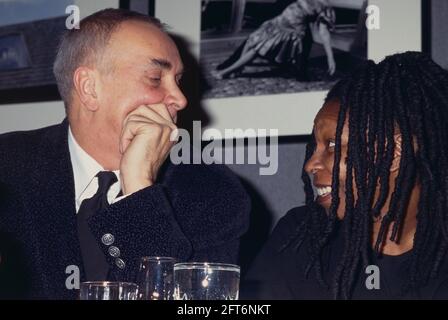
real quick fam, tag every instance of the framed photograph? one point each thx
(434, 30)
(29, 35)
(14, 53)
(265, 47)
(279, 80)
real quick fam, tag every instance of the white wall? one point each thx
(400, 31)
(28, 116)
(88, 7)
(400, 28)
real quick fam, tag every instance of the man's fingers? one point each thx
(128, 133)
(130, 118)
(162, 110)
(136, 125)
(153, 120)
(139, 118)
(153, 115)
(147, 113)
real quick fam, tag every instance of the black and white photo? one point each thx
(263, 47)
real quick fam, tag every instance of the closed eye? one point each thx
(154, 80)
(154, 77)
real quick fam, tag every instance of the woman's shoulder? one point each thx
(276, 267)
(293, 218)
(289, 225)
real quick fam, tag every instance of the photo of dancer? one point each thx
(277, 46)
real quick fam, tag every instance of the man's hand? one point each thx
(145, 144)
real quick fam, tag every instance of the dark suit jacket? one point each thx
(193, 212)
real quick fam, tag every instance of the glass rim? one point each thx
(109, 283)
(157, 258)
(204, 265)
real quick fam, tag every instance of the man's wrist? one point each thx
(130, 186)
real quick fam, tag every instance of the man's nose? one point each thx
(176, 99)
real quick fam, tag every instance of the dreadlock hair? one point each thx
(408, 92)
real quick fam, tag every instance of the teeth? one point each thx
(323, 191)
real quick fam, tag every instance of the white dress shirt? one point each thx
(85, 169)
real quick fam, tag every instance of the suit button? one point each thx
(120, 263)
(114, 251)
(107, 239)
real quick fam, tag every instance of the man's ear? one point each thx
(84, 83)
(397, 153)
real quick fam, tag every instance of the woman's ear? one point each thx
(397, 153)
(84, 83)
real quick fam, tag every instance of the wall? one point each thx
(400, 28)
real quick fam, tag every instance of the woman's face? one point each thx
(320, 165)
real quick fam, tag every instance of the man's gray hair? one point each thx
(85, 46)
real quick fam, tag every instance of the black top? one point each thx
(278, 274)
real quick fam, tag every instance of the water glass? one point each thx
(155, 278)
(206, 281)
(107, 290)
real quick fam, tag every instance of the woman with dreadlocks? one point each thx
(378, 161)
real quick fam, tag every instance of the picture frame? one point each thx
(434, 29)
(28, 48)
(284, 113)
(14, 53)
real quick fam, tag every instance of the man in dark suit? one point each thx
(97, 191)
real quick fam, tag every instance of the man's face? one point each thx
(320, 165)
(141, 66)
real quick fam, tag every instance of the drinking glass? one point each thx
(206, 281)
(155, 278)
(108, 290)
